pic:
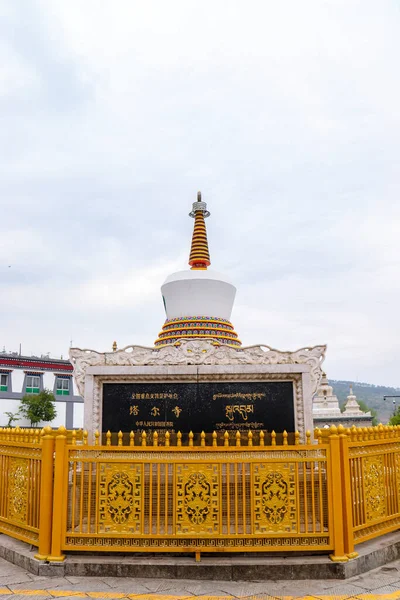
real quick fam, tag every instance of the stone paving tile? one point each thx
(151, 585)
(44, 584)
(215, 588)
(298, 588)
(370, 581)
(24, 597)
(238, 589)
(124, 584)
(15, 578)
(175, 586)
(85, 584)
(385, 589)
(344, 590)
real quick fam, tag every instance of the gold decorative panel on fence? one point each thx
(375, 481)
(119, 493)
(275, 498)
(197, 496)
(20, 474)
(172, 499)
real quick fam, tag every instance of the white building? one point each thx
(20, 375)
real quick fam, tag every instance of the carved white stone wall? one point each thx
(198, 360)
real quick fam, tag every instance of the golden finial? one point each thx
(199, 254)
(114, 346)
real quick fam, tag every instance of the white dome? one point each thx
(198, 293)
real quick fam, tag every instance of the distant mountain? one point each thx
(372, 395)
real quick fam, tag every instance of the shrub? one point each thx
(38, 407)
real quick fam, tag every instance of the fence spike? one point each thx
(308, 437)
(285, 436)
(74, 438)
(155, 439)
(226, 438)
(108, 438)
(120, 436)
(297, 438)
(250, 439)
(131, 439)
(273, 438)
(191, 439)
(214, 438)
(202, 439)
(144, 441)
(238, 438)
(85, 437)
(167, 435)
(96, 437)
(261, 441)
(179, 439)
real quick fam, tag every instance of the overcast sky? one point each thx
(285, 114)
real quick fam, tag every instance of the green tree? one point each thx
(11, 418)
(38, 407)
(366, 408)
(395, 419)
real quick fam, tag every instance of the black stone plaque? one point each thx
(205, 406)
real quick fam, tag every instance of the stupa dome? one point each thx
(198, 302)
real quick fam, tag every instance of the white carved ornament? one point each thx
(196, 352)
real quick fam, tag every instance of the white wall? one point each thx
(78, 415)
(48, 381)
(17, 377)
(10, 406)
(60, 418)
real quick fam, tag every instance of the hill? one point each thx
(372, 395)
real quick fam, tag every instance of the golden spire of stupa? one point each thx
(199, 254)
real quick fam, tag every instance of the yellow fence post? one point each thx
(46, 495)
(58, 497)
(347, 494)
(339, 554)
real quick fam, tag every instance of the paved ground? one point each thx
(17, 584)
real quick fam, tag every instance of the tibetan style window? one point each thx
(3, 382)
(32, 384)
(62, 386)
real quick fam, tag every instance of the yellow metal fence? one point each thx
(209, 495)
(20, 477)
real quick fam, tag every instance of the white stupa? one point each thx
(198, 302)
(325, 403)
(352, 408)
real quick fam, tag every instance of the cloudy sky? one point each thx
(285, 114)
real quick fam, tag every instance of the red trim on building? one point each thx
(40, 364)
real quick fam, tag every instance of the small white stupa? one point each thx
(325, 403)
(326, 409)
(352, 408)
(198, 302)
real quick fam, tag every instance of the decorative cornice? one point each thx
(197, 352)
(209, 328)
